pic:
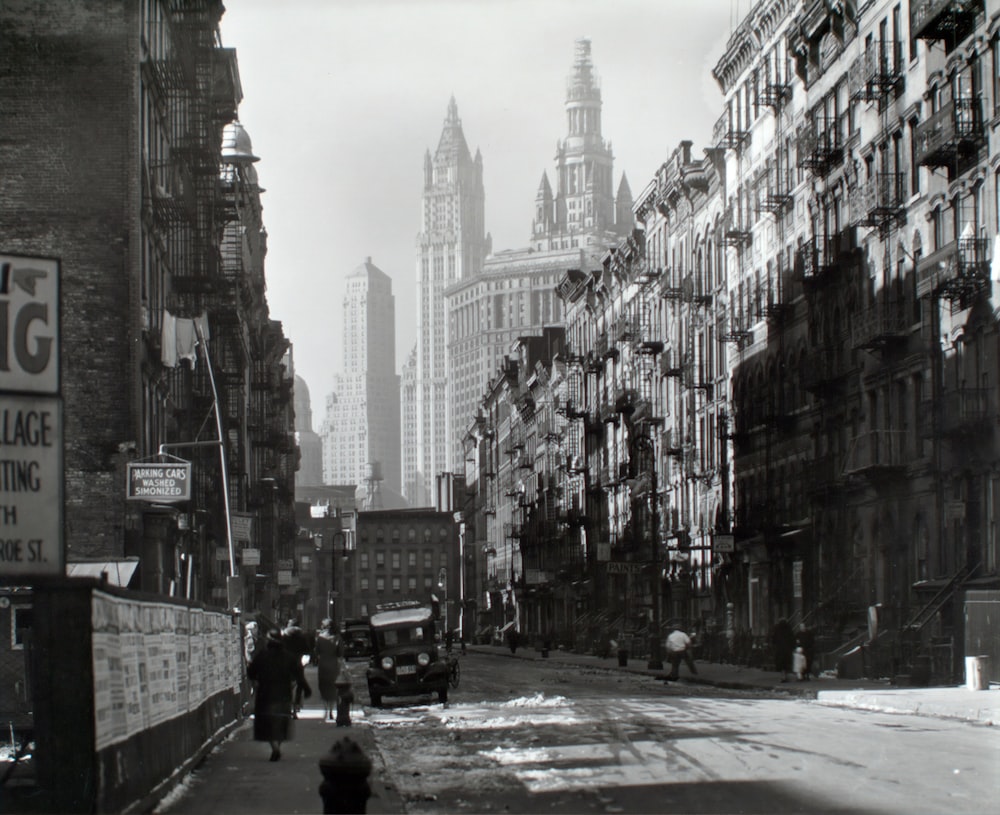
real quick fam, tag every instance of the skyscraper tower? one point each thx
(361, 429)
(584, 201)
(451, 247)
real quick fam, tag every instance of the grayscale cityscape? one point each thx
(559, 406)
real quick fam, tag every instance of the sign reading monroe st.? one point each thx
(31, 428)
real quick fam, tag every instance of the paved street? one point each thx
(576, 734)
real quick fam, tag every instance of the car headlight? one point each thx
(423, 660)
(386, 663)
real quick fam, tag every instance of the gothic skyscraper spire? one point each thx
(451, 246)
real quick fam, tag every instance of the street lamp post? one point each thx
(443, 585)
(642, 441)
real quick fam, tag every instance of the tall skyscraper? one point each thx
(361, 429)
(514, 293)
(452, 246)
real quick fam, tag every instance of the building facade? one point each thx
(361, 429)
(778, 396)
(166, 339)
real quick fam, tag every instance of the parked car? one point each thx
(405, 659)
(357, 638)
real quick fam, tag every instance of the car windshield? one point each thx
(391, 637)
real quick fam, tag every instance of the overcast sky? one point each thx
(341, 98)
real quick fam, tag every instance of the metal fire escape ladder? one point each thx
(917, 622)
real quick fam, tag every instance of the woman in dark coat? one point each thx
(275, 670)
(783, 642)
(329, 652)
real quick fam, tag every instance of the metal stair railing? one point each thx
(943, 595)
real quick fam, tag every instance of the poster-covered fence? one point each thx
(127, 688)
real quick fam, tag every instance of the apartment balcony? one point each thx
(826, 372)
(737, 334)
(880, 326)
(876, 72)
(738, 229)
(951, 20)
(625, 399)
(952, 134)
(963, 412)
(956, 271)
(876, 453)
(775, 94)
(819, 144)
(671, 363)
(879, 201)
(727, 135)
(780, 184)
(605, 347)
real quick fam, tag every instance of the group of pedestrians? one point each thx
(794, 651)
(277, 672)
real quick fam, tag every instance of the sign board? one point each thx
(250, 557)
(31, 486)
(724, 544)
(29, 324)
(284, 577)
(797, 578)
(160, 483)
(603, 551)
(624, 567)
(242, 527)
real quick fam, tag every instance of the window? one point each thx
(428, 584)
(364, 584)
(411, 559)
(411, 584)
(428, 559)
(396, 559)
(380, 584)
(363, 560)
(379, 559)
(396, 584)
(21, 622)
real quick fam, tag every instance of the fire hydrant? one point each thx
(345, 698)
(345, 771)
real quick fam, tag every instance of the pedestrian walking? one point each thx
(783, 643)
(274, 670)
(805, 638)
(299, 645)
(678, 647)
(329, 655)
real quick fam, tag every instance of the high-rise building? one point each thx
(361, 429)
(514, 294)
(452, 246)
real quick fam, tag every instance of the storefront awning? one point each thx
(119, 572)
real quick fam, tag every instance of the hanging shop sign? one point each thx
(160, 483)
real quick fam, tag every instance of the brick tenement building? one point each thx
(111, 162)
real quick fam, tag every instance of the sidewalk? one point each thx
(955, 702)
(238, 778)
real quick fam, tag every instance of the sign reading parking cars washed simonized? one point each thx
(160, 483)
(31, 427)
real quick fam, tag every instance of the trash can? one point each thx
(976, 675)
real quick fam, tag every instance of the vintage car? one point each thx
(357, 638)
(405, 660)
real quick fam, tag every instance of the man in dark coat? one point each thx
(329, 654)
(275, 670)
